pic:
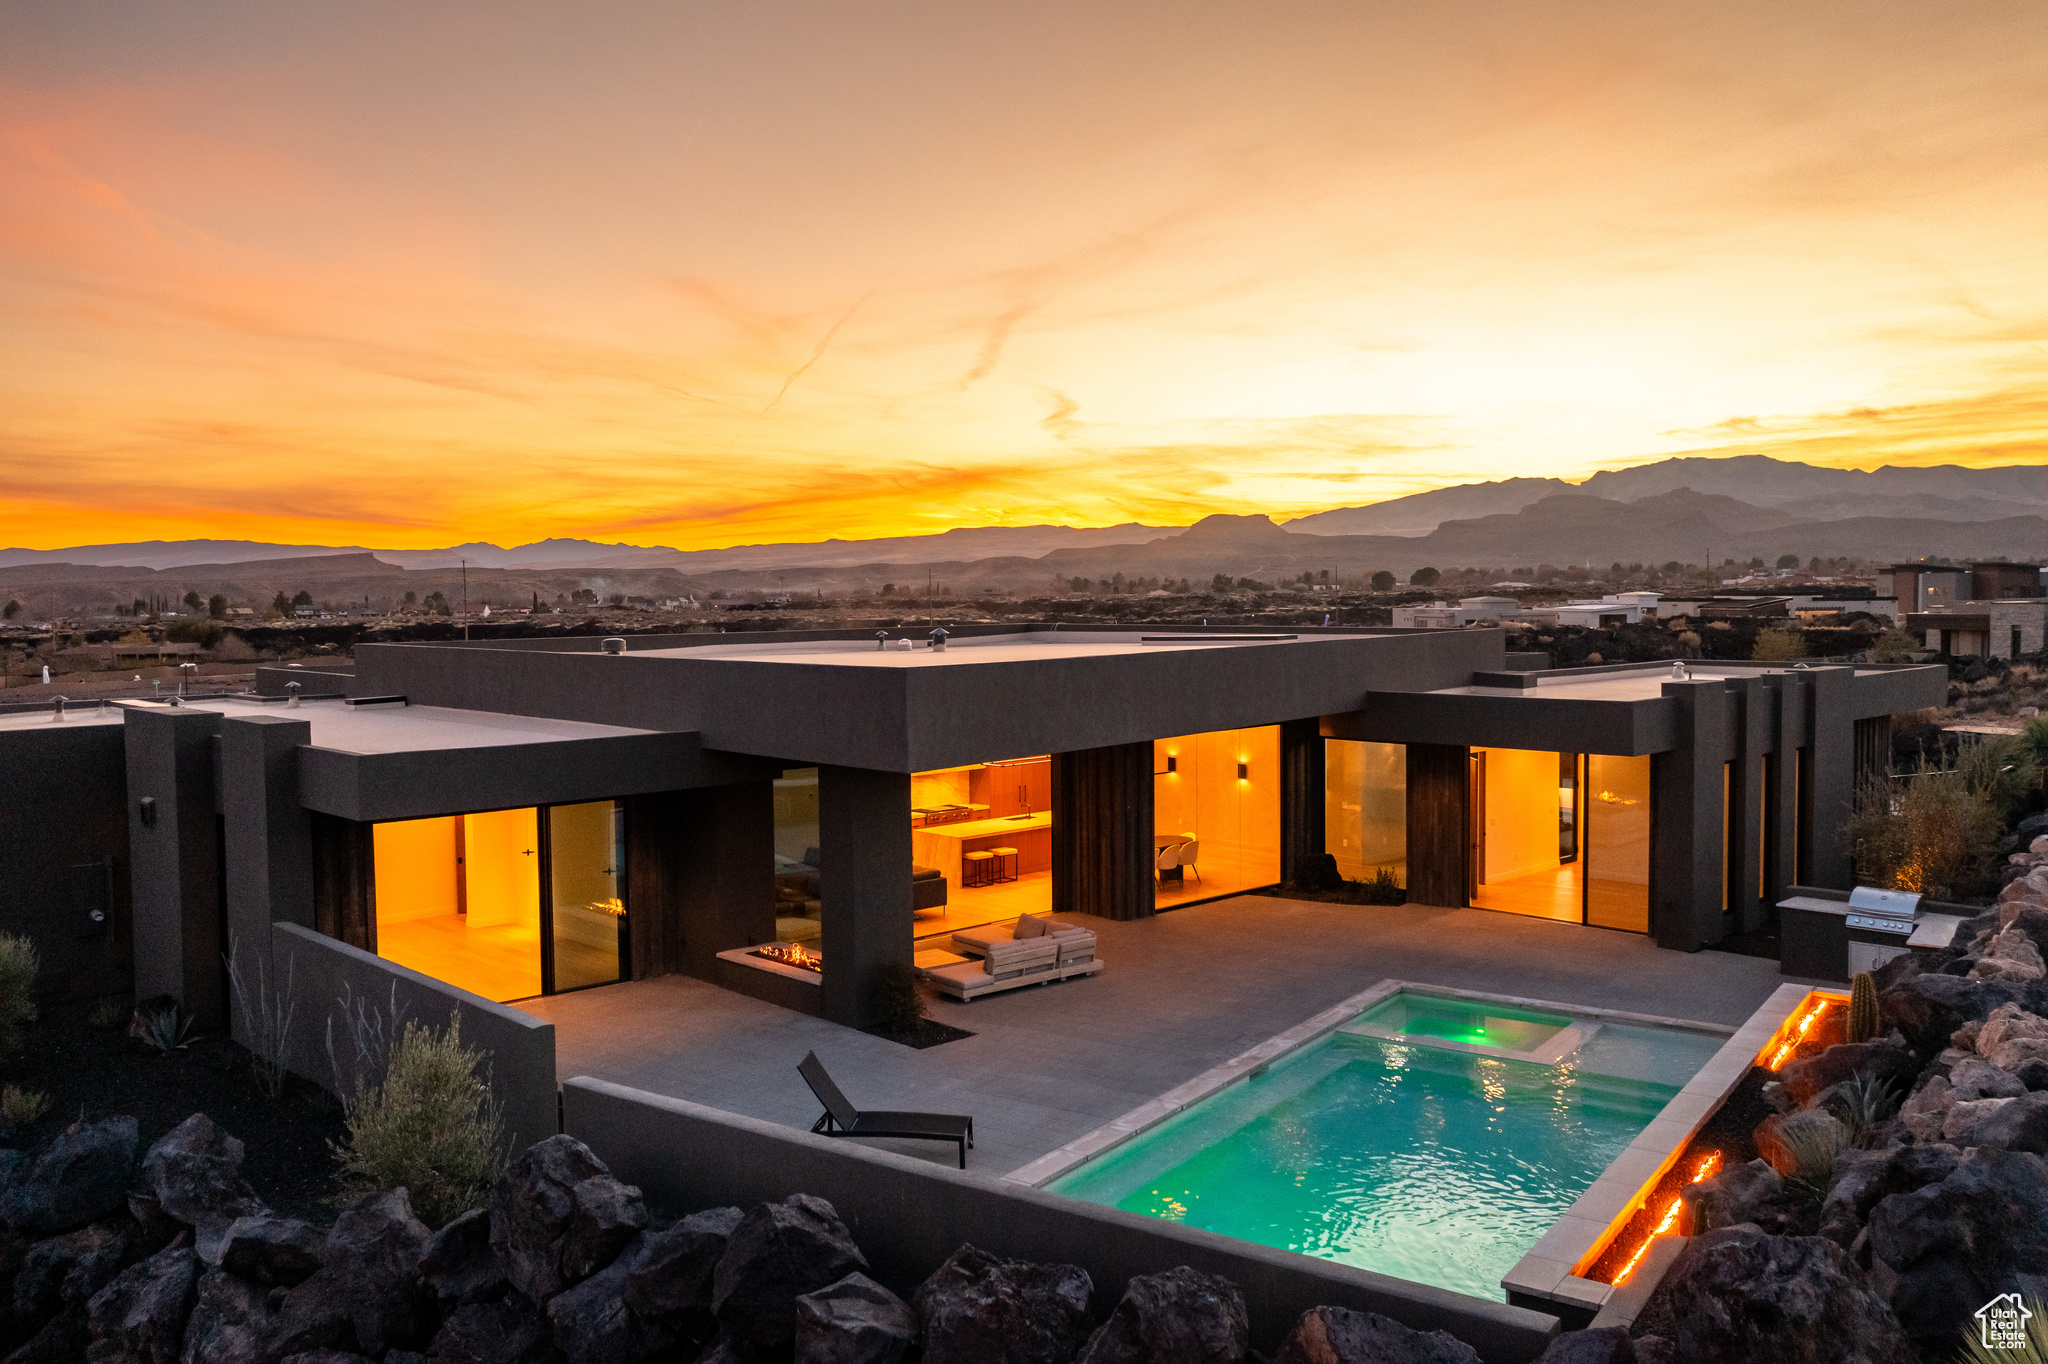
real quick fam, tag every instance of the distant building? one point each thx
(1985, 610)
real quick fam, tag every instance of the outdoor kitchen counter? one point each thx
(943, 845)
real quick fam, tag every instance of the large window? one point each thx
(980, 843)
(507, 904)
(1216, 813)
(1365, 808)
(1618, 842)
(797, 885)
(1562, 836)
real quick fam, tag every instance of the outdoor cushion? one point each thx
(1028, 926)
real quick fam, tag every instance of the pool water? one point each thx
(1436, 1166)
(1472, 1023)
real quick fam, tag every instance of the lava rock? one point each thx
(1883, 1058)
(508, 1331)
(536, 1206)
(139, 1318)
(367, 1295)
(62, 1340)
(80, 1177)
(1338, 1335)
(1608, 1345)
(670, 1277)
(65, 1271)
(2019, 1124)
(231, 1323)
(1959, 1126)
(1865, 1178)
(854, 1321)
(459, 1264)
(1972, 1078)
(1732, 1196)
(778, 1252)
(593, 1325)
(273, 1250)
(339, 1357)
(1739, 1296)
(1180, 1317)
(1943, 1250)
(1928, 1007)
(2033, 1073)
(977, 1309)
(195, 1171)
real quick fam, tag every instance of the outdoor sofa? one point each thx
(1033, 952)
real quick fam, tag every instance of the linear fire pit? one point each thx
(771, 972)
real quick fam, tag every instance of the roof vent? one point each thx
(614, 645)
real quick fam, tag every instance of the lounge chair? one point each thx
(842, 1119)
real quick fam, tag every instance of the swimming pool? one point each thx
(1414, 1140)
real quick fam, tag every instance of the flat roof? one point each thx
(411, 729)
(967, 650)
(1638, 685)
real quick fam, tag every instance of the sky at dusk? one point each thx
(694, 274)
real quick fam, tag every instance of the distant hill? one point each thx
(1421, 513)
(171, 553)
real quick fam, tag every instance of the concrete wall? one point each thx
(64, 852)
(323, 973)
(908, 1215)
(176, 884)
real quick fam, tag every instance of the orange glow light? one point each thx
(1708, 1164)
(1799, 1035)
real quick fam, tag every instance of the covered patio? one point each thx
(1183, 991)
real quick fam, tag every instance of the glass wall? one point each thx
(981, 844)
(586, 873)
(1618, 842)
(1525, 844)
(471, 900)
(1365, 808)
(1216, 813)
(796, 856)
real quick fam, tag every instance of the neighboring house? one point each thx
(1985, 610)
(525, 817)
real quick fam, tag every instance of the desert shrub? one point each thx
(166, 1029)
(430, 1126)
(19, 1107)
(1814, 1140)
(1778, 645)
(898, 998)
(266, 1018)
(2002, 770)
(1930, 833)
(17, 990)
(1896, 646)
(109, 1011)
(1868, 1101)
(1385, 888)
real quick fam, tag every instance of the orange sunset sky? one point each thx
(703, 274)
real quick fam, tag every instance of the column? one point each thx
(1102, 831)
(1787, 738)
(700, 876)
(865, 914)
(1301, 796)
(1831, 775)
(1685, 818)
(175, 859)
(269, 837)
(1439, 824)
(1752, 728)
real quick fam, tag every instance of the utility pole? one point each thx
(465, 599)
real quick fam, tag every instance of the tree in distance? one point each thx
(217, 606)
(1788, 561)
(193, 601)
(11, 610)
(1383, 581)
(1424, 577)
(301, 598)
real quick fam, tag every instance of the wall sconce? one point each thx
(1172, 762)
(146, 808)
(1244, 770)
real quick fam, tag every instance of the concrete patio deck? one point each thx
(1183, 991)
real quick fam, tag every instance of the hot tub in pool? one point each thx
(1417, 1140)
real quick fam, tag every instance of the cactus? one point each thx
(1862, 1008)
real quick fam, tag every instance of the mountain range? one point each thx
(1692, 510)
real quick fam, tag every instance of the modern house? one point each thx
(526, 817)
(1986, 610)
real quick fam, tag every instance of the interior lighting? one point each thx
(1710, 1163)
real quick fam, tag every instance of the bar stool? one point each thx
(979, 869)
(1006, 863)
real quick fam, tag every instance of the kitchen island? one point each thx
(944, 845)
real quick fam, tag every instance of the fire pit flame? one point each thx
(793, 954)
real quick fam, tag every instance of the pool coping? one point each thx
(1151, 1113)
(1551, 1276)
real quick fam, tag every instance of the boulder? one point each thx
(139, 1318)
(66, 1271)
(593, 1325)
(508, 1331)
(1739, 1296)
(1943, 1250)
(977, 1309)
(367, 1295)
(1972, 1078)
(272, 1250)
(670, 1277)
(1736, 1194)
(2019, 1124)
(1864, 1178)
(1180, 1317)
(62, 1340)
(459, 1264)
(1338, 1335)
(1926, 1109)
(2010, 955)
(777, 1253)
(2032, 1072)
(536, 1206)
(1928, 1007)
(1654, 1349)
(195, 1172)
(1885, 1058)
(1608, 1345)
(80, 1177)
(854, 1321)
(1959, 1126)
(231, 1323)
(343, 1357)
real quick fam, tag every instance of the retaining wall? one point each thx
(908, 1215)
(323, 972)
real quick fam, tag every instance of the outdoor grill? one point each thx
(1894, 912)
